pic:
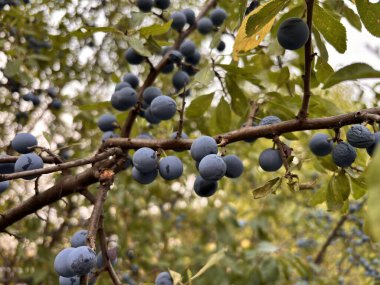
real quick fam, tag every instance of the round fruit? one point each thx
(109, 135)
(163, 107)
(107, 122)
(270, 120)
(69, 281)
(194, 59)
(133, 57)
(203, 146)
(293, 33)
(29, 161)
(4, 185)
(168, 68)
(150, 93)
(212, 167)
(221, 46)
(150, 117)
(204, 188)
(218, 16)
(145, 5)
(179, 21)
(145, 160)
(23, 141)
(144, 178)
(7, 167)
(164, 278)
(79, 238)
(270, 160)
(320, 145)
(190, 16)
(234, 165)
(82, 260)
(372, 148)
(205, 26)
(343, 154)
(61, 265)
(187, 48)
(360, 136)
(175, 56)
(180, 79)
(121, 85)
(124, 99)
(170, 167)
(56, 104)
(162, 4)
(132, 79)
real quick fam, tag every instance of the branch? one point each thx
(106, 180)
(60, 167)
(250, 132)
(308, 61)
(332, 236)
(68, 185)
(181, 114)
(154, 72)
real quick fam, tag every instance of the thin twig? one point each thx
(302, 114)
(181, 114)
(219, 77)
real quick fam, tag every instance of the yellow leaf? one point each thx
(243, 42)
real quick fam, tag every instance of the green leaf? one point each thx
(321, 45)
(199, 106)
(257, 21)
(268, 188)
(331, 29)
(270, 270)
(204, 76)
(343, 185)
(359, 187)
(373, 180)
(12, 68)
(223, 115)
(214, 259)
(352, 18)
(334, 197)
(177, 278)
(370, 15)
(155, 29)
(323, 70)
(352, 72)
(138, 46)
(95, 106)
(318, 197)
(239, 102)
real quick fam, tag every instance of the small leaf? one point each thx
(199, 106)
(359, 187)
(370, 15)
(334, 197)
(138, 46)
(177, 278)
(331, 29)
(343, 185)
(318, 197)
(239, 102)
(214, 259)
(256, 26)
(352, 18)
(324, 70)
(204, 76)
(268, 188)
(223, 115)
(352, 72)
(95, 106)
(155, 29)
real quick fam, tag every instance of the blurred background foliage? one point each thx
(77, 47)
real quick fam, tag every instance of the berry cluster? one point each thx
(344, 154)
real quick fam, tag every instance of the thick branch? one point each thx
(252, 132)
(308, 62)
(154, 72)
(68, 185)
(60, 167)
